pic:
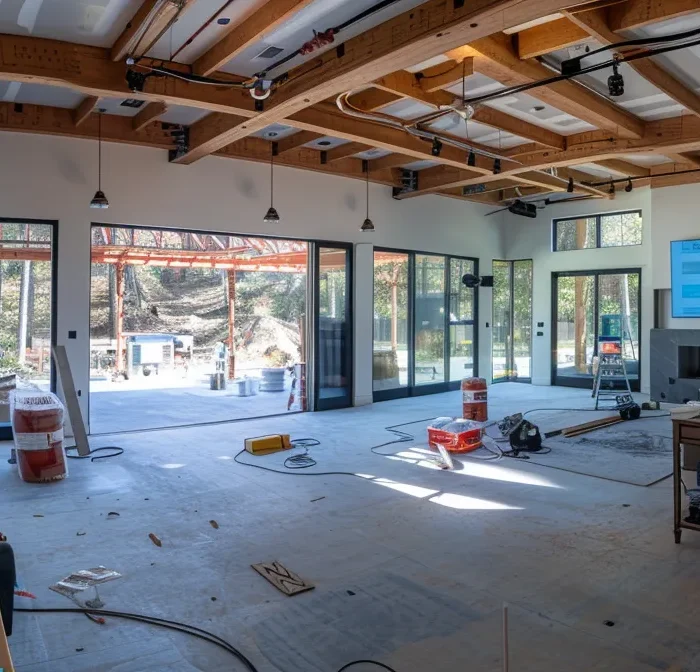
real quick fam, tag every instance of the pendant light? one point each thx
(272, 216)
(367, 225)
(99, 200)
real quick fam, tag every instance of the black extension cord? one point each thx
(191, 630)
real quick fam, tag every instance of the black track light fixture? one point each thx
(629, 186)
(99, 200)
(367, 225)
(471, 159)
(616, 83)
(611, 190)
(570, 186)
(436, 148)
(496, 166)
(272, 216)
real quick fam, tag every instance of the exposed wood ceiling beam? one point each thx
(624, 167)
(148, 114)
(343, 151)
(495, 57)
(676, 134)
(264, 20)
(445, 75)
(421, 33)
(258, 150)
(91, 71)
(297, 140)
(84, 110)
(687, 159)
(152, 18)
(638, 13)
(673, 180)
(402, 85)
(595, 23)
(548, 37)
(42, 120)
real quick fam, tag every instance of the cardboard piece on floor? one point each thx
(281, 578)
(65, 378)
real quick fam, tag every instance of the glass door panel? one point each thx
(618, 306)
(429, 319)
(391, 338)
(501, 341)
(522, 319)
(575, 329)
(461, 318)
(334, 329)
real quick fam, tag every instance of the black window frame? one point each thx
(411, 389)
(598, 235)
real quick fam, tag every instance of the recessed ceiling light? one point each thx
(537, 108)
(271, 134)
(324, 143)
(223, 21)
(132, 102)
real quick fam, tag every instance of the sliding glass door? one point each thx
(333, 328)
(512, 320)
(587, 305)
(424, 323)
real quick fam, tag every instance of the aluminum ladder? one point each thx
(611, 368)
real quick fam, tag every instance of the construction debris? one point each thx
(282, 578)
(155, 539)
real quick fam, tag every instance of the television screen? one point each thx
(685, 278)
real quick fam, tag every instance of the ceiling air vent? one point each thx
(132, 102)
(270, 52)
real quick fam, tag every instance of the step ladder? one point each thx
(611, 370)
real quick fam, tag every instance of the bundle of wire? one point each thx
(191, 630)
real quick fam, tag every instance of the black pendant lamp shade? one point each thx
(367, 225)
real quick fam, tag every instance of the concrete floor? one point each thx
(411, 565)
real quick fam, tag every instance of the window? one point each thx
(612, 230)
(622, 229)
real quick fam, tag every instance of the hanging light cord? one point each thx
(99, 153)
(272, 175)
(367, 186)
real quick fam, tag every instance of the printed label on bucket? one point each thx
(38, 441)
(474, 397)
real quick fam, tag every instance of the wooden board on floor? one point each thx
(70, 396)
(593, 424)
(281, 578)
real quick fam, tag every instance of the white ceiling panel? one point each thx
(325, 143)
(644, 159)
(420, 165)
(38, 94)
(597, 171)
(202, 13)
(319, 16)
(373, 154)
(93, 22)
(637, 88)
(276, 132)
(179, 114)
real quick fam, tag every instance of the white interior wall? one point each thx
(54, 178)
(532, 239)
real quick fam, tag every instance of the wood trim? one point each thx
(151, 18)
(297, 140)
(445, 75)
(390, 161)
(623, 167)
(424, 32)
(148, 114)
(495, 57)
(84, 110)
(548, 37)
(680, 157)
(343, 151)
(264, 20)
(596, 25)
(639, 13)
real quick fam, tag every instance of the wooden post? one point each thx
(231, 277)
(120, 362)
